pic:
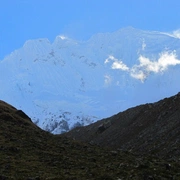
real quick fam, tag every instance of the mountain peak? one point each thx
(67, 83)
(36, 42)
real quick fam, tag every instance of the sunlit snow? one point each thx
(67, 83)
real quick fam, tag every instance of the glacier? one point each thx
(69, 83)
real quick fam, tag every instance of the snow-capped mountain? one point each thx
(69, 83)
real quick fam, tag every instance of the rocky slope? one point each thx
(27, 152)
(146, 129)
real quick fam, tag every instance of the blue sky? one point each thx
(21, 20)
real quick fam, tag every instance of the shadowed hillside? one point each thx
(145, 129)
(27, 152)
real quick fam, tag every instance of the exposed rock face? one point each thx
(149, 128)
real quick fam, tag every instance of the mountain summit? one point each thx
(71, 83)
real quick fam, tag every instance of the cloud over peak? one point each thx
(146, 66)
(117, 64)
(176, 33)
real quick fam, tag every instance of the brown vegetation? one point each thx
(146, 129)
(27, 152)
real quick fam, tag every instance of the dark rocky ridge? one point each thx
(145, 129)
(27, 152)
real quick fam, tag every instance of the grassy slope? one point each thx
(150, 128)
(27, 152)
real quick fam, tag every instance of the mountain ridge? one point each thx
(152, 128)
(69, 82)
